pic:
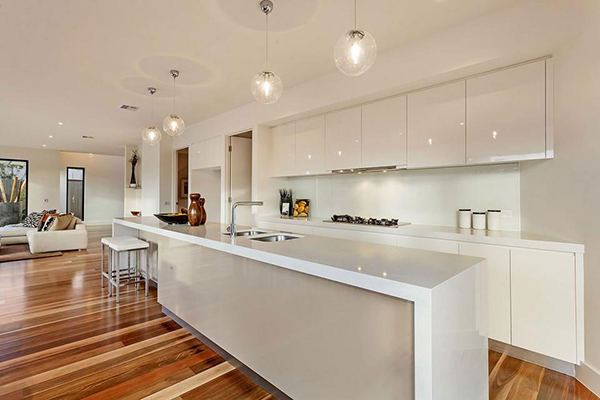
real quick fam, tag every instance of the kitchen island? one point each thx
(324, 318)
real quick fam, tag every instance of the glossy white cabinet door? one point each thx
(442, 246)
(283, 151)
(498, 286)
(544, 303)
(310, 146)
(343, 139)
(436, 126)
(207, 153)
(506, 115)
(384, 133)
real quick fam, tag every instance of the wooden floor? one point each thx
(62, 338)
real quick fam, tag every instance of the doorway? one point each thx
(239, 187)
(182, 196)
(76, 191)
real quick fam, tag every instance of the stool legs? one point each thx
(147, 264)
(102, 266)
(118, 270)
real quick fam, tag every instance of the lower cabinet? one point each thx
(544, 303)
(498, 286)
(442, 246)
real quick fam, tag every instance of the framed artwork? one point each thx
(183, 188)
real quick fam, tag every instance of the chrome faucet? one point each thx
(232, 229)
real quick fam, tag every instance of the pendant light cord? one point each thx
(174, 77)
(151, 107)
(354, 14)
(267, 41)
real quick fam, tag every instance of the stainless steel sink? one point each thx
(249, 232)
(276, 237)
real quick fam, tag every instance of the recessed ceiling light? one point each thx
(91, 155)
(60, 123)
(43, 145)
(50, 136)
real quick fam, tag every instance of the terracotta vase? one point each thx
(196, 211)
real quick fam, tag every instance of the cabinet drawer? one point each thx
(442, 246)
(544, 303)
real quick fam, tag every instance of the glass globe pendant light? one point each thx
(266, 86)
(356, 51)
(151, 134)
(173, 125)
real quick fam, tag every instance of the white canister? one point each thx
(479, 220)
(464, 218)
(493, 219)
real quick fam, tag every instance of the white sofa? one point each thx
(70, 239)
(14, 234)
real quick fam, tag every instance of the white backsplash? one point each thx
(429, 197)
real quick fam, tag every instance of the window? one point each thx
(13, 190)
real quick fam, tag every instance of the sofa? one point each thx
(14, 234)
(70, 239)
(41, 242)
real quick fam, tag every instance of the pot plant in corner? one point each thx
(133, 161)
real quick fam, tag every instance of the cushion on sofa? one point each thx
(62, 222)
(34, 218)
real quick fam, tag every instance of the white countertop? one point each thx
(501, 238)
(316, 255)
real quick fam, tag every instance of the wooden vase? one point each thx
(196, 211)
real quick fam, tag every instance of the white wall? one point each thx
(104, 188)
(44, 178)
(429, 197)
(560, 197)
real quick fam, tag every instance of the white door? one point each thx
(543, 303)
(283, 151)
(436, 126)
(506, 115)
(498, 286)
(240, 178)
(343, 139)
(384, 133)
(310, 146)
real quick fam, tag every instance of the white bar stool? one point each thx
(114, 273)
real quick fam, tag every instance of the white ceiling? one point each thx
(77, 61)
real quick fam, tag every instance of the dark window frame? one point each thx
(82, 191)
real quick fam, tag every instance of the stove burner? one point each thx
(349, 219)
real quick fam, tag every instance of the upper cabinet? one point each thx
(207, 153)
(506, 115)
(283, 155)
(436, 126)
(501, 116)
(384, 133)
(310, 146)
(343, 139)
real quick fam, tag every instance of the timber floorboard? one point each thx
(61, 337)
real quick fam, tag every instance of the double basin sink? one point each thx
(264, 236)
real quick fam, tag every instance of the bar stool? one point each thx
(132, 274)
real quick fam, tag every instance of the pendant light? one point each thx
(173, 125)
(266, 86)
(151, 134)
(356, 51)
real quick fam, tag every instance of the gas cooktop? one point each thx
(356, 220)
